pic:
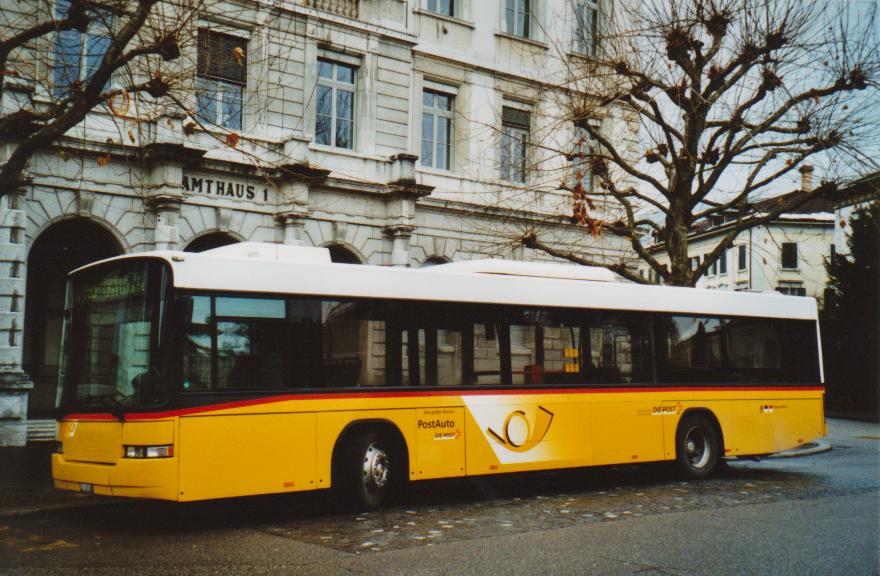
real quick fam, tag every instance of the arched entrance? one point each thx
(62, 247)
(434, 261)
(210, 241)
(342, 255)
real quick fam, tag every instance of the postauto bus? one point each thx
(261, 368)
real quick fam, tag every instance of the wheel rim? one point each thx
(375, 468)
(697, 448)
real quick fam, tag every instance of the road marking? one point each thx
(21, 541)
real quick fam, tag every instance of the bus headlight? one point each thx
(149, 451)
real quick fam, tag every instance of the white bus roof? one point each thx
(279, 269)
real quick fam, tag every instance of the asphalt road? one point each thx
(814, 515)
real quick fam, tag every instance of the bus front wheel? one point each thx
(697, 446)
(370, 469)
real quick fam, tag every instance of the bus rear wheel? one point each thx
(370, 470)
(697, 446)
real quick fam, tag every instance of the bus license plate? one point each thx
(87, 488)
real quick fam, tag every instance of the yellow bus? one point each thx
(262, 368)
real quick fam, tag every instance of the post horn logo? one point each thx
(518, 435)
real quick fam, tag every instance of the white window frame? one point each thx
(583, 143)
(453, 7)
(209, 84)
(520, 19)
(515, 134)
(96, 29)
(586, 12)
(797, 259)
(439, 115)
(335, 86)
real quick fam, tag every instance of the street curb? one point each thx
(28, 510)
(808, 449)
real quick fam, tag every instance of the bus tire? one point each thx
(370, 469)
(697, 446)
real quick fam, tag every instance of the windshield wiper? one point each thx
(108, 401)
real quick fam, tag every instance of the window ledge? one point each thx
(445, 18)
(345, 152)
(574, 55)
(535, 43)
(431, 171)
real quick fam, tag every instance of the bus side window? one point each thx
(618, 349)
(526, 347)
(252, 343)
(491, 344)
(305, 353)
(423, 345)
(563, 352)
(197, 339)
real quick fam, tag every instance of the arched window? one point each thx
(210, 241)
(434, 261)
(342, 255)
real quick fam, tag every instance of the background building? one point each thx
(786, 255)
(393, 132)
(858, 194)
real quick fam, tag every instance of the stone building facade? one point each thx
(387, 130)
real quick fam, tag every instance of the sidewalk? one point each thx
(26, 482)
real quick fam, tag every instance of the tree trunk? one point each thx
(677, 249)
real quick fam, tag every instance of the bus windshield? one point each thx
(111, 357)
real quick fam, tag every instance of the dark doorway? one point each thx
(342, 255)
(210, 241)
(62, 247)
(434, 261)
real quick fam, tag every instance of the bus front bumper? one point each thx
(133, 478)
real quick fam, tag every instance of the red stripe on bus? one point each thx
(402, 394)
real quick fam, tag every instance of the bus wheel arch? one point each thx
(370, 463)
(699, 443)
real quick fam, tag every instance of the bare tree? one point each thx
(728, 97)
(62, 59)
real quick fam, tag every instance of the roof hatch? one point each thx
(534, 269)
(268, 251)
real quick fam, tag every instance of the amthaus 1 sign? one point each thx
(225, 187)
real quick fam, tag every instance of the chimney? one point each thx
(806, 177)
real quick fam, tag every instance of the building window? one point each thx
(437, 114)
(221, 78)
(694, 262)
(514, 144)
(580, 158)
(792, 290)
(445, 7)
(741, 259)
(586, 27)
(789, 255)
(722, 262)
(78, 55)
(517, 17)
(334, 125)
